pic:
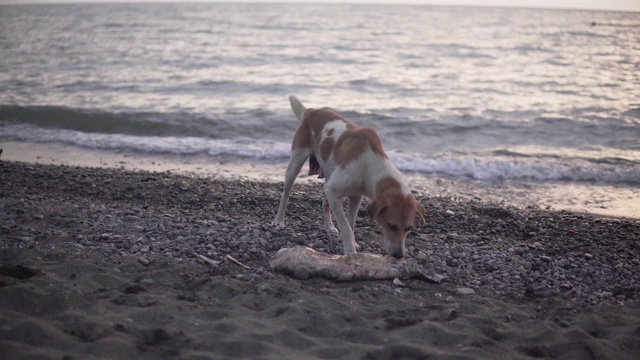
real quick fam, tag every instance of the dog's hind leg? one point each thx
(298, 158)
(354, 205)
(348, 240)
(328, 222)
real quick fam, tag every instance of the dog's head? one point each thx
(396, 214)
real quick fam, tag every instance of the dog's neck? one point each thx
(385, 181)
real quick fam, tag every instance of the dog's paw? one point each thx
(350, 251)
(278, 223)
(352, 248)
(332, 231)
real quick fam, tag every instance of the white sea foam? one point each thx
(487, 166)
(491, 168)
(241, 146)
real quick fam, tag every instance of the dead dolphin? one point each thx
(303, 262)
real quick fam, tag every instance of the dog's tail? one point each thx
(297, 107)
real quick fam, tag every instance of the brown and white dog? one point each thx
(354, 164)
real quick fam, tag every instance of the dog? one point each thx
(354, 164)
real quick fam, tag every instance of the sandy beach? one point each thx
(99, 263)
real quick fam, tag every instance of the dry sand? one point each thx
(98, 263)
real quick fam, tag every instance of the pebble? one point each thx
(144, 261)
(465, 291)
(434, 278)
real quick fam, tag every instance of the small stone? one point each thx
(398, 282)
(450, 213)
(465, 291)
(546, 293)
(530, 291)
(448, 315)
(545, 258)
(144, 261)
(432, 277)
(146, 281)
(588, 256)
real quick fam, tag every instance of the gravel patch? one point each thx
(476, 246)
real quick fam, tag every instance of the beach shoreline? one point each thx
(98, 262)
(590, 198)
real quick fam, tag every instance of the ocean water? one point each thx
(488, 94)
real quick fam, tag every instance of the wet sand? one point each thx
(601, 199)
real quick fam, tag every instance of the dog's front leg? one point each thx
(348, 240)
(298, 157)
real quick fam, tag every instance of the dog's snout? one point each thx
(398, 253)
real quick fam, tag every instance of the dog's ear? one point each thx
(376, 207)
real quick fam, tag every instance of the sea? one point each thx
(541, 101)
